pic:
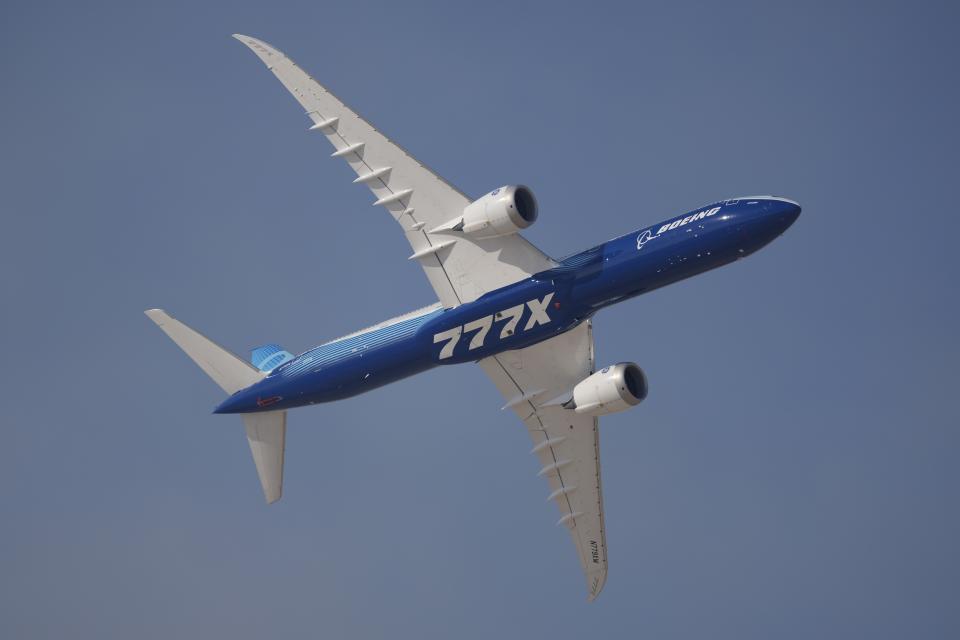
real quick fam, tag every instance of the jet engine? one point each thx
(502, 212)
(610, 390)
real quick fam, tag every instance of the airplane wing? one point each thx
(565, 443)
(460, 269)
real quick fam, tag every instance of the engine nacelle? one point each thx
(610, 390)
(502, 212)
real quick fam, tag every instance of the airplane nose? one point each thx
(785, 212)
(793, 212)
(791, 215)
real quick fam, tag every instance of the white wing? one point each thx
(459, 269)
(565, 443)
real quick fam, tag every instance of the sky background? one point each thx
(793, 473)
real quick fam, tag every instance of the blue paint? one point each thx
(269, 357)
(578, 287)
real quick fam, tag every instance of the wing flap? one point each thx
(565, 443)
(416, 197)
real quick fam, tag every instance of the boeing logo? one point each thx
(643, 239)
(648, 235)
(503, 304)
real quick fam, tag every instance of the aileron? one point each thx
(565, 443)
(473, 267)
(502, 303)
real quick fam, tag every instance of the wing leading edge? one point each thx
(460, 269)
(566, 443)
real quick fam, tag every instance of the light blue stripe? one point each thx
(327, 354)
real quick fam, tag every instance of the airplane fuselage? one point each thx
(525, 312)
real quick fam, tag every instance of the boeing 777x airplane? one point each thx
(522, 316)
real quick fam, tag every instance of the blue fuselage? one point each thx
(525, 312)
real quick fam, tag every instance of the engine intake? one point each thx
(610, 390)
(501, 212)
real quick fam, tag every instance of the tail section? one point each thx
(266, 432)
(269, 357)
(226, 369)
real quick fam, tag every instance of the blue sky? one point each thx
(793, 473)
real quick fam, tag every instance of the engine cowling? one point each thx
(610, 390)
(502, 212)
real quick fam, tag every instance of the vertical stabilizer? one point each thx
(266, 432)
(269, 357)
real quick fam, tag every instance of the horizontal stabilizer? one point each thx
(266, 433)
(226, 369)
